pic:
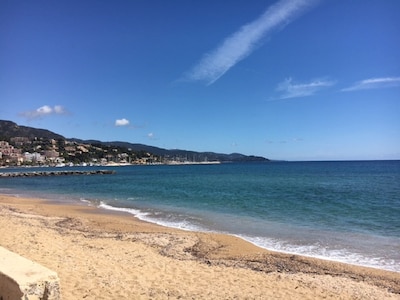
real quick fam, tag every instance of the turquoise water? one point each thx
(343, 211)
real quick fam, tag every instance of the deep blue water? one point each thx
(345, 211)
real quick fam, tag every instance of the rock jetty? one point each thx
(56, 173)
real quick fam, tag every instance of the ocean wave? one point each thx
(167, 220)
(321, 252)
(315, 250)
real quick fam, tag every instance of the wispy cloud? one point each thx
(242, 43)
(374, 83)
(288, 89)
(286, 141)
(43, 111)
(122, 122)
(152, 136)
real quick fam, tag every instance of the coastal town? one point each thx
(28, 146)
(23, 151)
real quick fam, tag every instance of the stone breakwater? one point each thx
(55, 173)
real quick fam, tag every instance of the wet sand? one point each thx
(100, 254)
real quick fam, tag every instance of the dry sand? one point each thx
(102, 255)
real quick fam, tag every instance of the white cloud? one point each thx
(374, 83)
(298, 140)
(240, 44)
(58, 109)
(43, 111)
(121, 122)
(289, 89)
(152, 136)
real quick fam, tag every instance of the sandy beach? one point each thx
(100, 254)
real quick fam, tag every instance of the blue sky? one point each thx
(289, 79)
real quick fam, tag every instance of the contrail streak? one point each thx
(241, 43)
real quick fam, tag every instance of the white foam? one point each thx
(184, 225)
(315, 250)
(135, 212)
(320, 252)
(85, 201)
(145, 216)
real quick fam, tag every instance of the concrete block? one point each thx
(21, 278)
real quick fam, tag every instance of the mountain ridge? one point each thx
(9, 129)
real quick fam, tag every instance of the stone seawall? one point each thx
(55, 173)
(21, 278)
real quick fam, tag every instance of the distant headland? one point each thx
(28, 146)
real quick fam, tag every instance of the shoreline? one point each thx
(184, 259)
(136, 213)
(54, 173)
(114, 164)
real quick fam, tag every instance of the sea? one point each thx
(346, 211)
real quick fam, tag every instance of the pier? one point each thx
(56, 173)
